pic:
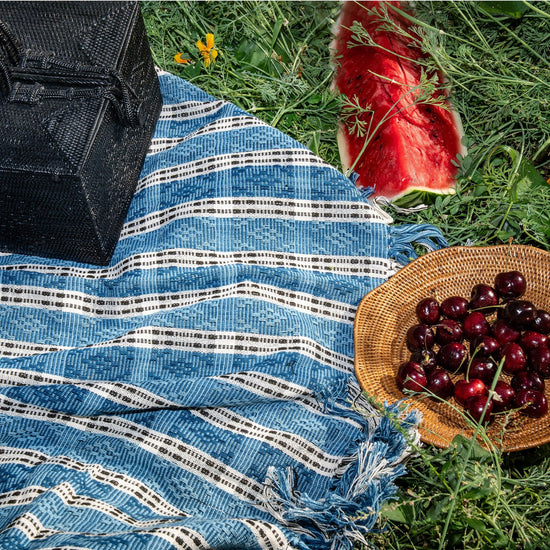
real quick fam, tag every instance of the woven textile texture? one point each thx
(197, 392)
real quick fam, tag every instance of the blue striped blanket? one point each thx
(198, 392)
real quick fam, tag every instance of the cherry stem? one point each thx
(467, 376)
(488, 307)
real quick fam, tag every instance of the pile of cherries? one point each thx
(458, 344)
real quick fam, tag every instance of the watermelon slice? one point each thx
(412, 155)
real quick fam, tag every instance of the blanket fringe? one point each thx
(346, 515)
(403, 238)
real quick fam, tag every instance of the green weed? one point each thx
(273, 60)
(468, 497)
(495, 60)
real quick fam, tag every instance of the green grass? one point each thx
(470, 497)
(274, 62)
(498, 72)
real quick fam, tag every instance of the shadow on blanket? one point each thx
(197, 392)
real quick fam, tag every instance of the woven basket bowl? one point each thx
(385, 314)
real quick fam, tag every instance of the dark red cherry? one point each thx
(503, 397)
(519, 314)
(427, 311)
(479, 407)
(503, 332)
(510, 284)
(420, 337)
(539, 361)
(514, 358)
(411, 376)
(501, 310)
(532, 403)
(530, 340)
(527, 380)
(483, 298)
(542, 322)
(483, 368)
(484, 346)
(448, 330)
(440, 384)
(464, 389)
(475, 324)
(452, 356)
(454, 307)
(426, 358)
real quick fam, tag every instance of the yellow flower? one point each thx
(179, 59)
(208, 52)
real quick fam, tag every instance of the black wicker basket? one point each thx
(79, 101)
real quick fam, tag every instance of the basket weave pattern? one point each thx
(79, 101)
(385, 314)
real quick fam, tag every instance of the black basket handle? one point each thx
(102, 82)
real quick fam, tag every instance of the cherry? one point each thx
(510, 284)
(539, 361)
(440, 384)
(484, 298)
(484, 346)
(448, 330)
(475, 324)
(542, 322)
(420, 337)
(527, 380)
(532, 403)
(503, 332)
(411, 376)
(452, 356)
(519, 314)
(520, 337)
(464, 389)
(501, 314)
(530, 340)
(454, 307)
(503, 397)
(514, 358)
(482, 368)
(426, 358)
(427, 311)
(479, 407)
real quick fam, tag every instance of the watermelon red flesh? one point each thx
(414, 150)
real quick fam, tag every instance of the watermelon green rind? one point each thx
(416, 197)
(416, 149)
